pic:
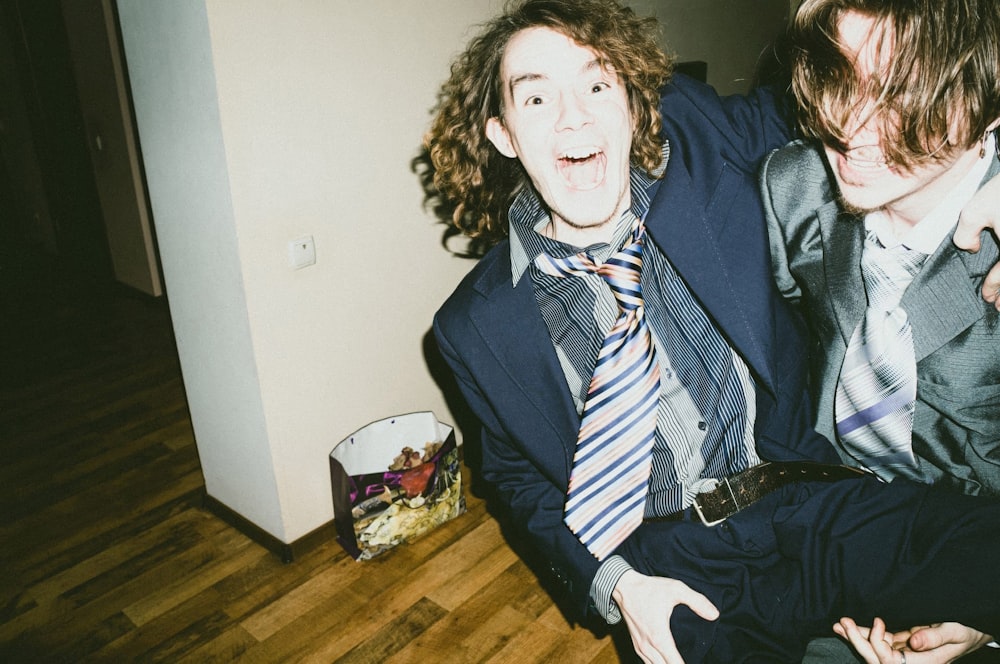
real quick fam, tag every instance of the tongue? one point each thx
(582, 173)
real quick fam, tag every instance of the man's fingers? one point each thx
(701, 605)
(978, 215)
(873, 644)
(848, 625)
(943, 635)
(877, 632)
(657, 648)
(647, 604)
(860, 640)
(991, 287)
(967, 237)
(929, 637)
(670, 653)
(981, 214)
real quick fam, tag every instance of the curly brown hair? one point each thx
(945, 67)
(468, 170)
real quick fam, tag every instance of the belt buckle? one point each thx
(701, 515)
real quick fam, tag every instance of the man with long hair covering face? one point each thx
(901, 100)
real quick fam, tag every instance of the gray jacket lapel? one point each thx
(944, 298)
(843, 237)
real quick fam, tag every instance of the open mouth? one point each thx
(583, 168)
(862, 166)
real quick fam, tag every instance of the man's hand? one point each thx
(646, 604)
(948, 640)
(874, 644)
(982, 212)
(932, 644)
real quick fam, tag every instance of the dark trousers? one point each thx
(785, 569)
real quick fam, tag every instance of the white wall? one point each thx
(261, 122)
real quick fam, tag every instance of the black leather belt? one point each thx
(747, 487)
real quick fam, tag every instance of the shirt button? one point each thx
(702, 426)
(668, 374)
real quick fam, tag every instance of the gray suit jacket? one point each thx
(816, 251)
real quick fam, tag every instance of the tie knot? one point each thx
(622, 271)
(887, 272)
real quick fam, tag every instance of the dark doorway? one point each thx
(53, 246)
(36, 34)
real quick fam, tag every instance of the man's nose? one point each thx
(573, 113)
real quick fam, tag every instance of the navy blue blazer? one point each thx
(708, 219)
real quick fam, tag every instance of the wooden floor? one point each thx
(108, 555)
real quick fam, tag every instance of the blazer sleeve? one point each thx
(532, 500)
(743, 127)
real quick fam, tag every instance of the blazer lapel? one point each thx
(712, 271)
(513, 329)
(944, 299)
(843, 237)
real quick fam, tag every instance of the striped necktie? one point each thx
(878, 381)
(608, 484)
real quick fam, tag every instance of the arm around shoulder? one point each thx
(743, 127)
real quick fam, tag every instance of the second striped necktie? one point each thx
(877, 388)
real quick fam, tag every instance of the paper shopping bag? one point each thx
(394, 480)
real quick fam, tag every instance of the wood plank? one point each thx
(561, 643)
(164, 598)
(181, 526)
(461, 587)
(309, 634)
(105, 571)
(184, 628)
(453, 640)
(314, 593)
(225, 648)
(268, 580)
(394, 635)
(98, 510)
(79, 612)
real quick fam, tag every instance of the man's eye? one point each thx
(533, 101)
(599, 87)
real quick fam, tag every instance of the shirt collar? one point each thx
(932, 229)
(528, 217)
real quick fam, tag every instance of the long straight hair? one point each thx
(937, 88)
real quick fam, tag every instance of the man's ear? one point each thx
(497, 133)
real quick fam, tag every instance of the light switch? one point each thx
(302, 252)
